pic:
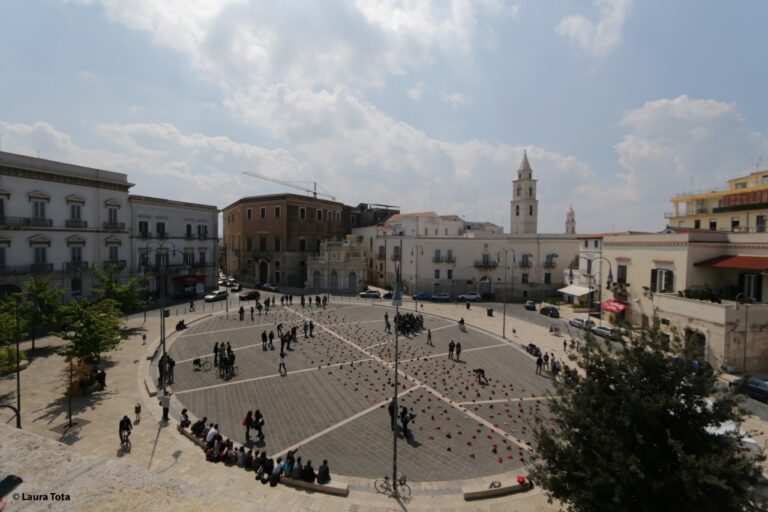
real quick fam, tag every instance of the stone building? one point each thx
(339, 268)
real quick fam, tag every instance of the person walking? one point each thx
(248, 424)
(306, 325)
(258, 424)
(192, 306)
(137, 412)
(252, 313)
(539, 364)
(311, 329)
(392, 420)
(405, 418)
(271, 339)
(171, 364)
(282, 369)
(216, 354)
(546, 361)
(263, 340)
(451, 347)
(165, 403)
(565, 346)
(161, 369)
(429, 338)
(458, 351)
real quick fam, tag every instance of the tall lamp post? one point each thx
(397, 301)
(416, 254)
(589, 274)
(504, 313)
(746, 328)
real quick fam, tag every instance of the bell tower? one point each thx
(524, 206)
(570, 222)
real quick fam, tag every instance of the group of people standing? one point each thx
(224, 359)
(165, 367)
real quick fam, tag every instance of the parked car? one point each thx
(441, 297)
(250, 295)
(550, 311)
(218, 295)
(269, 287)
(530, 305)
(474, 296)
(237, 287)
(421, 296)
(387, 295)
(582, 323)
(606, 332)
(370, 294)
(754, 387)
(222, 282)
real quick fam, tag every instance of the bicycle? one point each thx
(398, 489)
(198, 365)
(125, 440)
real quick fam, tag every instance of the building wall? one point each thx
(340, 267)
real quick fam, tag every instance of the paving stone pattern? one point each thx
(324, 391)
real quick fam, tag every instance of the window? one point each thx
(353, 219)
(697, 224)
(530, 210)
(525, 294)
(734, 224)
(437, 273)
(112, 215)
(760, 223)
(262, 243)
(277, 277)
(188, 231)
(202, 231)
(317, 249)
(39, 207)
(76, 253)
(597, 244)
(437, 255)
(41, 254)
(160, 228)
(713, 225)
(765, 180)
(2, 207)
(621, 274)
(144, 259)
(74, 211)
(530, 191)
(435, 231)
(751, 286)
(277, 244)
(524, 278)
(382, 254)
(76, 286)
(449, 255)
(319, 214)
(426, 232)
(518, 191)
(450, 273)
(248, 243)
(396, 252)
(201, 258)
(2, 256)
(302, 245)
(741, 184)
(249, 213)
(144, 228)
(662, 280)
(547, 278)
(113, 253)
(338, 216)
(263, 212)
(302, 213)
(189, 257)
(517, 210)
(277, 212)
(586, 244)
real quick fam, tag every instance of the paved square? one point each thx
(333, 401)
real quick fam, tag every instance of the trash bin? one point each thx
(467, 305)
(490, 311)
(167, 313)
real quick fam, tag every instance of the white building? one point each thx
(62, 220)
(175, 239)
(340, 266)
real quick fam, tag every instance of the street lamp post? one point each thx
(397, 301)
(589, 274)
(506, 264)
(416, 278)
(18, 365)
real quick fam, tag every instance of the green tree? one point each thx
(129, 296)
(93, 328)
(633, 431)
(42, 304)
(8, 318)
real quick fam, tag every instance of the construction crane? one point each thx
(293, 184)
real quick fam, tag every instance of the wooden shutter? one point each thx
(654, 274)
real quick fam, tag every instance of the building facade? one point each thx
(339, 268)
(524, 211)
(515, 267)
(269, 239)
(741, 207)
(174, 243)
(61, 221)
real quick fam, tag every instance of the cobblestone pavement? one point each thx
(333, 401)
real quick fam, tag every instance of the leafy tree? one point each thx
(8, 319)
(129, 296)
(42, 304)
(92, 329)
(632, 431)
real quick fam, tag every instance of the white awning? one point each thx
(576, 291)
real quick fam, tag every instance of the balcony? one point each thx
(70, 266)
(437, 259)
(524, 264)
(395, 257)
(21, 222)
(549, 264)
(486, 264)
(113, 226)
(34, 268)
(449, 259)
(118, 264)
(76, 223)
(145, 235)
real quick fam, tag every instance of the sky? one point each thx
(422, 104)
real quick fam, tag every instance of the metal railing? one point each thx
(486, 264)
(69, 266)
(437, 259)
(113, 226)
(76, 223)
(6, 220)
(34, 268)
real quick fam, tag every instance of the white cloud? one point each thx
(601, 38)
(454, 99)
(417, 91)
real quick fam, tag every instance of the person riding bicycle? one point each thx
(125, 427)
(197, 364)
